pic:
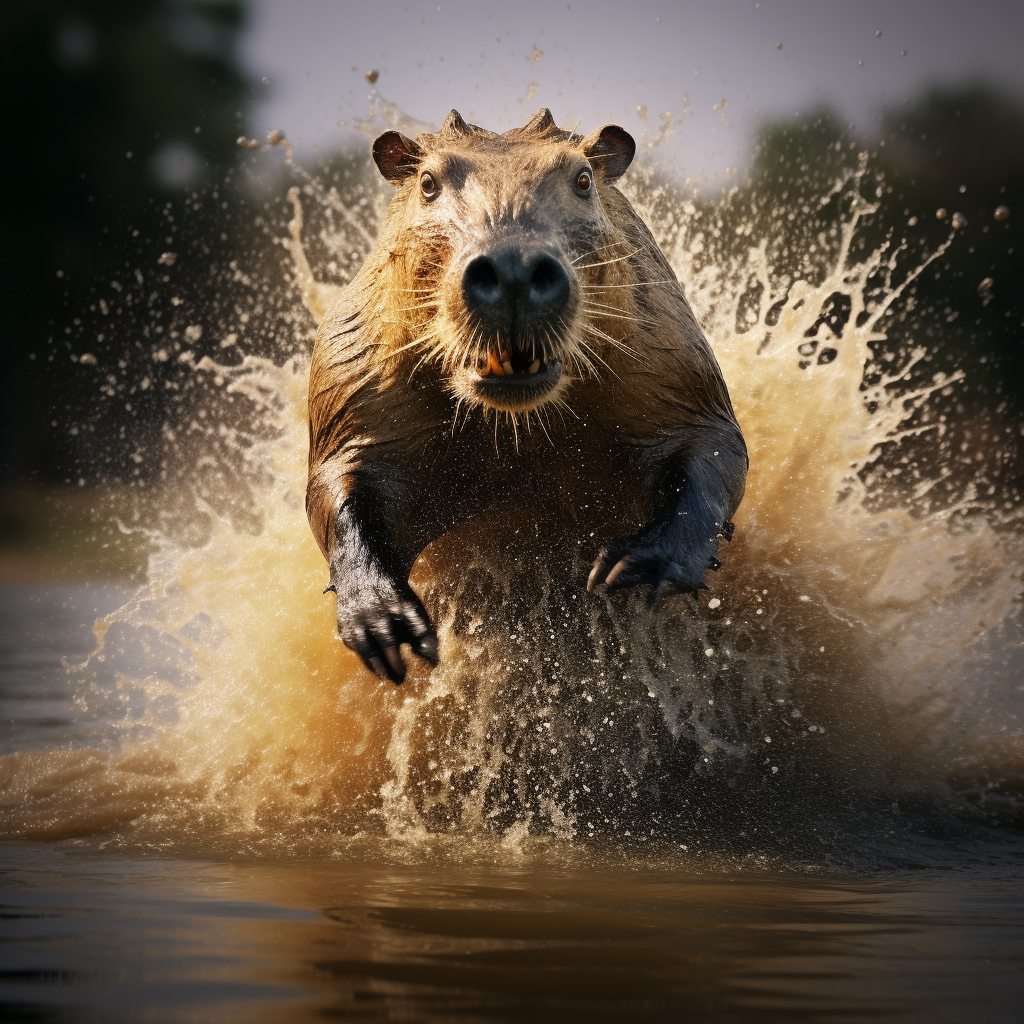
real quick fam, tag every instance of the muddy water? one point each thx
(88, 938)
(798, 795)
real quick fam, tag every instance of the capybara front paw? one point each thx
(628, 561)
(375, 621)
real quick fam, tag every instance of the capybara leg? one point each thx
(377, 609)
(680, 543)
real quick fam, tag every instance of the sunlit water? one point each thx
(587, 803)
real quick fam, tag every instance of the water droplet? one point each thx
(372, 76)
(860, 63)
(266, 81)
(959, 221)
(778, 46)
(941, 213)
(714, 603)
(275, 136)
(878, 34)
(912, 222)
(983, 288)
(1001, 213)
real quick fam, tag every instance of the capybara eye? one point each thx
(428, 186)
(584, 181)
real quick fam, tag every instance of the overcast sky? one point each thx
(629, 62)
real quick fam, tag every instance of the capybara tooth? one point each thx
(507, 367)
(535, 366)
(495, 366)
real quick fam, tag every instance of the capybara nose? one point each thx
(549, 283)
(516, 286)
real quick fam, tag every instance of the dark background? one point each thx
(122, 118)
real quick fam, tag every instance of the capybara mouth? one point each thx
(513, 380)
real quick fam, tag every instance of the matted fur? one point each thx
(392, 354)
(625, 448)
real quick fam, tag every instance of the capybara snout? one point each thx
(517, 291)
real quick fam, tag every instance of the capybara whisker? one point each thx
(634, 284)
(583, 358)
(592, 328)
(422, 305)
(601, 309)
(595, 251)
(605, 263)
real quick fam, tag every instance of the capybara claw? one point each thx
(426, 648)
(394, 656)
(376, 619)
(616, 570)
(600, 570)
(377, 666)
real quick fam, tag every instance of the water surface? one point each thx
(93, 937)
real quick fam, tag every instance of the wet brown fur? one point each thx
(390, 413)
(638, 361)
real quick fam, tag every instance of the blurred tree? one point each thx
(950, 163)
(958, 152)
(114, 108)
(962, 151)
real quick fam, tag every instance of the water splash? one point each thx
(827, 670)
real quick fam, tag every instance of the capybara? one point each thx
(516, 357)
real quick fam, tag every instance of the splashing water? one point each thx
(823, 677)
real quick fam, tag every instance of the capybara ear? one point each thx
(396, 156)
(611, 150)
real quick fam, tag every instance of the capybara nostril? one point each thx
(480, 283)
(549, 283)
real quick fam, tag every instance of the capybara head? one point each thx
(505, 264)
